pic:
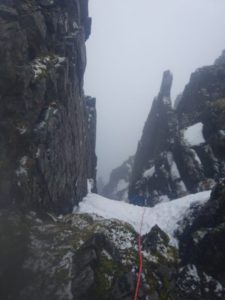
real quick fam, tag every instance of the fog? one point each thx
(132, 43)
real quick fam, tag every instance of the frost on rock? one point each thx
(199, 235)
(22, 169)
(47, 114)
(196, 157)
(192, 273)
(189, 280)
(39, 66)
(194, 282)
(22, 129)
(193, 135)
(212, 285)
(59, 61)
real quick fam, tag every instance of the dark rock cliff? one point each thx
(202, 249)
(117, 187)
(47, 147)
(182, 148)
(203, 240)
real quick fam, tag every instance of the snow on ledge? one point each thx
(149, 173)
(193, 134)
(165, 215)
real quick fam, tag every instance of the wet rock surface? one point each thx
(45, 140)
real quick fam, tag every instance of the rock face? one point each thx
(202, 252)
(205, 236)
(47, 143)
(117, 188)
(182, 149)
(78, 257)
(91, 118)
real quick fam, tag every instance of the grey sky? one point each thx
(132, 43)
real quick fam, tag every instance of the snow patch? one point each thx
(196, 157)
(149, 173)
(193, 134)
(40, 65)
(174, 171)
(90, 184)
(166, 215)
(121, 185)
(163, 199)
(106, 254)
(192, 273)
(166, 100)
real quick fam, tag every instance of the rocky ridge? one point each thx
(182, 149)
(47, 146)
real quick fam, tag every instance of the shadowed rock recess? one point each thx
(47, 125)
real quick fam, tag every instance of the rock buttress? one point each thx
(44, 138)
(182, 149)
(154, 152)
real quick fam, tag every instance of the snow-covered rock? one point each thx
(166, 215)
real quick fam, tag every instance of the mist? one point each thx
(131, 44)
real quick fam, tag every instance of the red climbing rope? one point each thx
(140, 257)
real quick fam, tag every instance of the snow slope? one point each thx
(165, 215)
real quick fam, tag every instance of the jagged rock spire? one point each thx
(166, 84)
